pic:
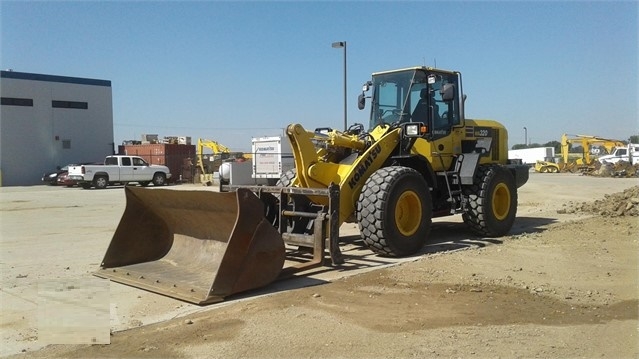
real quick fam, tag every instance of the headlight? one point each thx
(53, 175)
(412, 130)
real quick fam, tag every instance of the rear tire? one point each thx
(159, 179)
(394, 211)
(491, 202)
(101, 182)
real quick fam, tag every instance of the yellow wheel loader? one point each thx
(418, 159)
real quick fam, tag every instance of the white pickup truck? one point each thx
(629, 153)
(119, 169)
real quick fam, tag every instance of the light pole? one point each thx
(525, 136)
(338, 45)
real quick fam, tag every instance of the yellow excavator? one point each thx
(585, 162)
(220, 153)
(419, 158)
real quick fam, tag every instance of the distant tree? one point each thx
(575, 149)
(634, 139)
(519, 146)
(555, 144)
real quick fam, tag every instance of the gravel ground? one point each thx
(564, 283)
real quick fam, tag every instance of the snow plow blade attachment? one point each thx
(197, 246)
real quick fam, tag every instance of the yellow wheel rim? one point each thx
(501, 201)
(408, 213)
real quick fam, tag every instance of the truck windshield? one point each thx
(395, 96)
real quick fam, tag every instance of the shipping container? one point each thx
(178, 158)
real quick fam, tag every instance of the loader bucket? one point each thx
(197, 246)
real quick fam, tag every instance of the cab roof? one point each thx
(423, 68)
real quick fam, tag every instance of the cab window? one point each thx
(139, 162)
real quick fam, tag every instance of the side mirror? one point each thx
(448, 92)
(361, 100)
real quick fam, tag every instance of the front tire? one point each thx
(395, 211)
(491, 202)
(159, 179)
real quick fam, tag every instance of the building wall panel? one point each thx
(32, 138)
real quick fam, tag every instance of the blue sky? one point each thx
(229, 71)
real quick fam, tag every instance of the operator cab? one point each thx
(420, 94)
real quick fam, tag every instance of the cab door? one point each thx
(444, 118)
(126, 170)
(141, 170)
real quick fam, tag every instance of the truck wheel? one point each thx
(159, 179)
(144, 183)
(394, 211)
(85, 185)
(100, 182)
(491, 202)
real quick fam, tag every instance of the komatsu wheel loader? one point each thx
(420, 158)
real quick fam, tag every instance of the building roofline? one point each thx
(53, 78)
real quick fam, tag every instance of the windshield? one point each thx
(417, 95)
(395, 96)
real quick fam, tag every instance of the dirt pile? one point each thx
(619, 169)
(618, 204)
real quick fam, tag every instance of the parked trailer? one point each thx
(272, 157)
(530, 156)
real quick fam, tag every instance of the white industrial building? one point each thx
(48, 121)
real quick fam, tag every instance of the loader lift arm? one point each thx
(314, 171)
